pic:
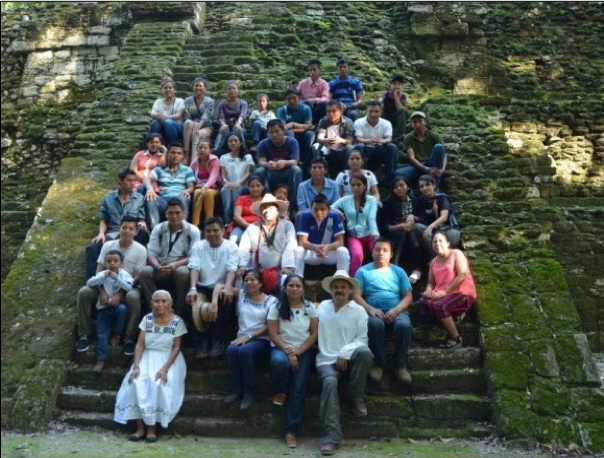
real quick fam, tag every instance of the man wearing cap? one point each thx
(374, 139)
(343, 351)
(271, 242)
(385, 293)
(213, 264)
(393, 105)
(425, 151)
(278, 158)
(347, 89)
(314, 90)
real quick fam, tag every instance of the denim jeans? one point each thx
(156, 209)
(293, 383)
(236, 234)
(169, 129)
(337, 160)
(412, 173)
(110, 320)
(292, 176)
(258, 132)
(222, 137)
(318, 111)
(377, 155)
(401, 328)
(242, 360)
(305, 141)
(229, 196)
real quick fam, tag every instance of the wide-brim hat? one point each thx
(339, 275)
(270, 199)
(201, 312)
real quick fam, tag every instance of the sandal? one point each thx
(135, 437)
(150, 439)
(458, 342)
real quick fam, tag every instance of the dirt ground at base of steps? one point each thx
(63, 441)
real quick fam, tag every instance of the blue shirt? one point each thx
(112, 210)
(289, 150)
(171, 184)
(383, 289)
(301, 115)
(345, 90)
(322, 233)
(359, 222)
(307, 192)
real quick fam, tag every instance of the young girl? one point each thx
(360, 211)
(168, 113)
(281, 192)
(260, 118)
(231, 114)
(396, 223)
(206, 168)
(111, 316)
(243, 215)
(355, 162)
(235, 168)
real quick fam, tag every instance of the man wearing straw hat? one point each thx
(343, 351)
(213, 265)
(269, 245)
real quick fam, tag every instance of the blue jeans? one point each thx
(352, 113)
(169, 129)
(157, 208)
(318, 111)
(305, 141)
(258, 132)
(110, 320)
(291, 176)
(337, 161)
(229, 196)
(412, 173)
(293, 383)
(236, 234)
(377, 155)
(222, 137)
(241, 362)
(401, 328)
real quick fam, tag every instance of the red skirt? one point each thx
(450, 305)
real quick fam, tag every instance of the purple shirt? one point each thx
(289, 150)
(230, 115)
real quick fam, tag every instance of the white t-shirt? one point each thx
(294, 332)
(252, 315)
(263, 118)
(382, 129)
(160, 108)
(343, 179)
(235, 167)
(135, 256)
(213, 263)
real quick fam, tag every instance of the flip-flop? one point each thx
(135, 437)
(151, 439)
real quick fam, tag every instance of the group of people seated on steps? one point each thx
(162, 243)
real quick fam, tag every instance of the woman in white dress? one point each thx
(154, 388)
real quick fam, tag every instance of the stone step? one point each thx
(466, 380)
(443, 409)
(250, 425)
(419, 359)
(224, 44)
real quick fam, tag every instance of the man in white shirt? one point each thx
(343, 351)
(373, 135)
(213, 263)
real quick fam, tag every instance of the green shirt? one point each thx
(422, 150)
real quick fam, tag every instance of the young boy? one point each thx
(111, 312)
(282, 193)
(393, 103)
(321, 237)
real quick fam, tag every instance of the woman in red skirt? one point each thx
(451, 290)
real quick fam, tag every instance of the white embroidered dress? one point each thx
(146, 398)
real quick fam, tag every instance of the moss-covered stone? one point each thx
(507, 370)
(543, 358)
(549, 398)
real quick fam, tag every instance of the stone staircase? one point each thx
(447, 399)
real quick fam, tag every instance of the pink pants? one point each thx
(357, 248)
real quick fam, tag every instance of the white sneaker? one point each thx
(415, 276)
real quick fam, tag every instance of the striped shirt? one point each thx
(171, 184)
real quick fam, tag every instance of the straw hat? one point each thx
(269, 199)
(201, 312)
(339, 275)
